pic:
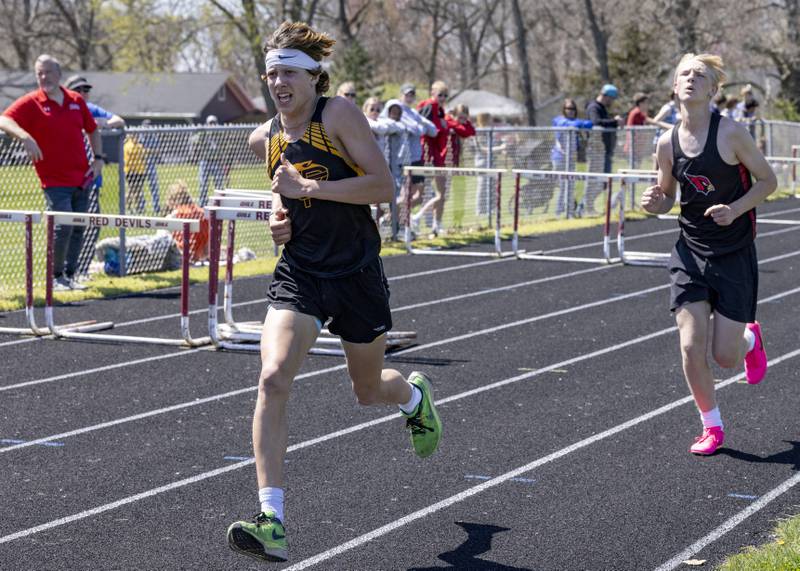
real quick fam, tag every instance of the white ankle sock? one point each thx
(711, 418)
(750, 337)
(272, 501)
(416, 397)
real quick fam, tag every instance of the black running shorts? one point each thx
(729, 283)
(358, 304)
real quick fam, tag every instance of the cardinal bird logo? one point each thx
(700, 183)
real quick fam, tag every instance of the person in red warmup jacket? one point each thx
(460, 128)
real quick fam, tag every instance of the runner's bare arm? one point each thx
(349, 131)
(660, 198)
(258, 140)
(748, 154)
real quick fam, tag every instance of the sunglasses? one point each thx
(570, 108)
(350, 94)
(375, 109)
(443, 95)
(83, 89)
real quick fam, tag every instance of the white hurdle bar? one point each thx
(120, 221)
(245, 336)
(609, 179)
(29, 218)
(451, 172)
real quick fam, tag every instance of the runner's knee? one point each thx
(273, 384)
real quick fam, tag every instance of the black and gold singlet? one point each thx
(329, 239)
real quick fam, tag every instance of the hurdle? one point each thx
(451, 172)
(793, 161)
(121, 221)
(609, 179)
(29, 218)
(245, 336)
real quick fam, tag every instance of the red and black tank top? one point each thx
(707, 180)
(329, 239)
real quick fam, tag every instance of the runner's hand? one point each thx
(652, 198)
(287, 180)
(722, 214)
(280, 226)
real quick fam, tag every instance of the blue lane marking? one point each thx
(476, 477)
(743, 496)
(238, 458)
(17, 441)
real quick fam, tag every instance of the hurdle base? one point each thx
(652, 259)
(199, 342)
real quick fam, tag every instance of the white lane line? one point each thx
(515, 473)
(197, 402)
(101, 369)
(214, 398)
(730, 524)
(184, 352)
(200, 477)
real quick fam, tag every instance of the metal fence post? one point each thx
(490, 164)
(121, 175)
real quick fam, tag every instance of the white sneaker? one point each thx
(415, 222)
(76, 285)
(61, 283)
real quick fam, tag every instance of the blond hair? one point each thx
(713, 64)
(438, 86)
(483, 119)
(369, 102)
(300, 36)
(178, 195)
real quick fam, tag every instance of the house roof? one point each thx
(140, 95)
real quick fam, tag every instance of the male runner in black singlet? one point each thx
(326, 170)
(713, 267)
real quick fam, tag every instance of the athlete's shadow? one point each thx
(465, 556)
(788, 456)
(431, 361)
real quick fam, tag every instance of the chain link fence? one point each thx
(152, 171)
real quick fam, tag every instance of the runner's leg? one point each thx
(285, 340)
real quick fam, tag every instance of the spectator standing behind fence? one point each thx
(564, 153)
(639, 116)
(181, 205)
(416, 126)
(436, 152)
(348, 91)
(50, 123)
(597, 111)
(207, 149)
(104, 119)
(460, 128)
(152, 146)
(484, 155)
(384, 130)
(133, 153)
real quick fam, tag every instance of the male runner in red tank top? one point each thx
(713, 267)
(326, 170)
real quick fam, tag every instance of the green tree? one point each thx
(633, 63)
(353, 63)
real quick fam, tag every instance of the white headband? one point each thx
(292, 58)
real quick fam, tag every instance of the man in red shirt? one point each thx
(50, 123)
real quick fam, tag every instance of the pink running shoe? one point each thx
(755, 362)
(708, 442)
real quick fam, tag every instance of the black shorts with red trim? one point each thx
(357, 305)
(729, 283)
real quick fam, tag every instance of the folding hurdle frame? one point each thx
(793, 160)
(100, 220)
(451, 172)
(245, 336)
(29, 218)
(609, 178)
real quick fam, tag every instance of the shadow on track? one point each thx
(789, 456)
(479, 540)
